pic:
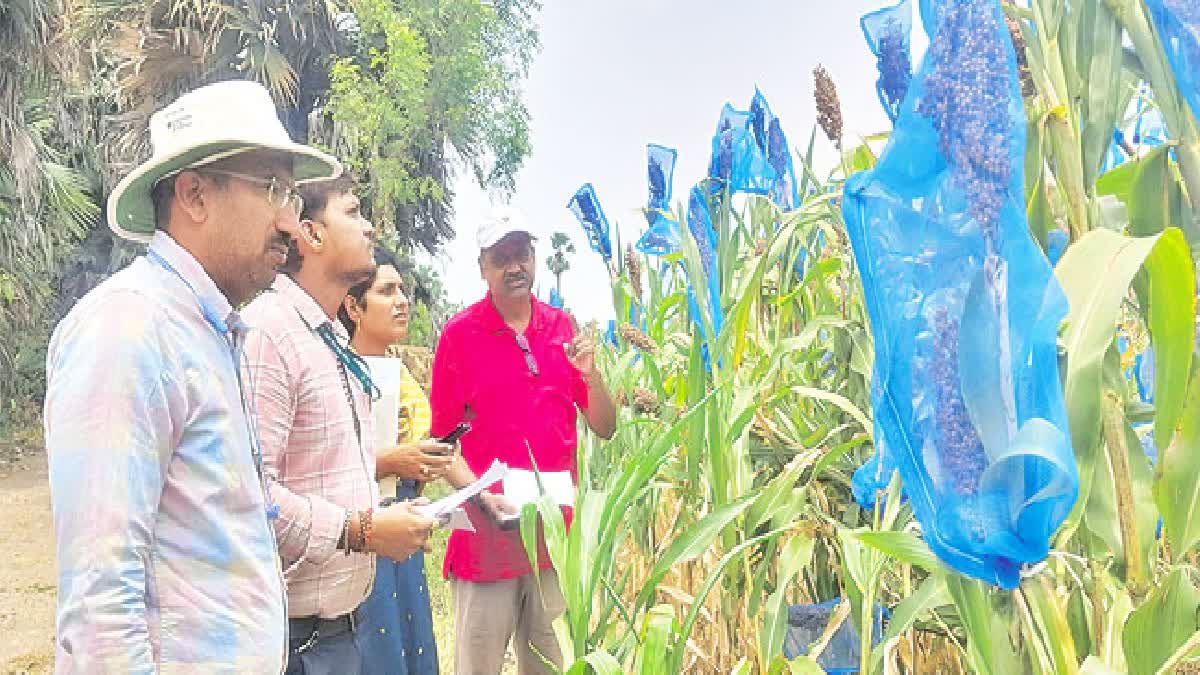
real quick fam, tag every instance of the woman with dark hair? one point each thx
(395, 635)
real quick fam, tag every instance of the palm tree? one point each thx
(558, 263)
(46, 193)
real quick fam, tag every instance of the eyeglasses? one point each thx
(279, 194)
(529, 360)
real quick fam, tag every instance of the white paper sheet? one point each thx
(521, 487)
(444, 509)
(385, 372)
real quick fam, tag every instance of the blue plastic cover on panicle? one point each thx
(964, 309)
(931, 13)
(1178, 26)
(587, 210)
(660, 169)
(807, 623)
(556, 300)
(889, 32)
(768, 134)
(737, 161)
(699, 220)
(664, 237)
(1056, 244)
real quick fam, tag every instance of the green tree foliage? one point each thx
(408, 92)
(430, 87)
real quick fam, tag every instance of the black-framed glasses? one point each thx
(279, 194)
(529, 360)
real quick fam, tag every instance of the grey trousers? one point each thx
(488, 614)
(337, 655)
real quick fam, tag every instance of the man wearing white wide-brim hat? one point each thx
(166, 557)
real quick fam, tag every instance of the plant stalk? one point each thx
(1118, 457)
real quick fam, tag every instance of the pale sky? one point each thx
(615, 75)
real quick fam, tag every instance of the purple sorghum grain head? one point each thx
(966, 98)
(758, 120)
(700, 223)
(895, 65)
(658, 182)
(959, 448)
(777, 148)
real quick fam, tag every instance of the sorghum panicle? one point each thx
(959, 448)
(637, 338)
(966, 98)
(1028, 89)
(633, 264)
(829, 109)
(658, 182)
(895, 65)
(645, 402)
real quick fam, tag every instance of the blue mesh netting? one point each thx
(888, 32)
(699, 220)
(931, 13)
(660, 168)
(807, 623)
(1178, 26)
(964, 309)
(768, 134)
(587, 210)
(737, 161)
(662, 237)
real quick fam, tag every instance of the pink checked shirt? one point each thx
(311, 448)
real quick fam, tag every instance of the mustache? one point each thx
(515, 277)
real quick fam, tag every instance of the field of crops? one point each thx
(935, 410)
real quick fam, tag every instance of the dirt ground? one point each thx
(27, 592)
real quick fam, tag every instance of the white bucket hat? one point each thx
(501, 222)
(200, 127)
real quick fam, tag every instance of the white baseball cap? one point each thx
(499, 223)
(202, 126)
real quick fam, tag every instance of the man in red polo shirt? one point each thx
(514, 368)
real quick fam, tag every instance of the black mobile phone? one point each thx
(452, 437)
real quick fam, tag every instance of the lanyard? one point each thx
(349, 360)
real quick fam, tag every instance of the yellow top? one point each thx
(415, 415)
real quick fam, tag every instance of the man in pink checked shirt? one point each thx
(313, 396)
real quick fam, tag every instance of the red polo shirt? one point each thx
(481, 375)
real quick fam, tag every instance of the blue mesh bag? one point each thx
(807, 623)
(587, 210)
(931, 11)
(888, 32)
(663, 238)
(737, 161)
(964, 309)
(660, 168)
(768, 134)
(1178, 26)
(556, 300)
(699, 220)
